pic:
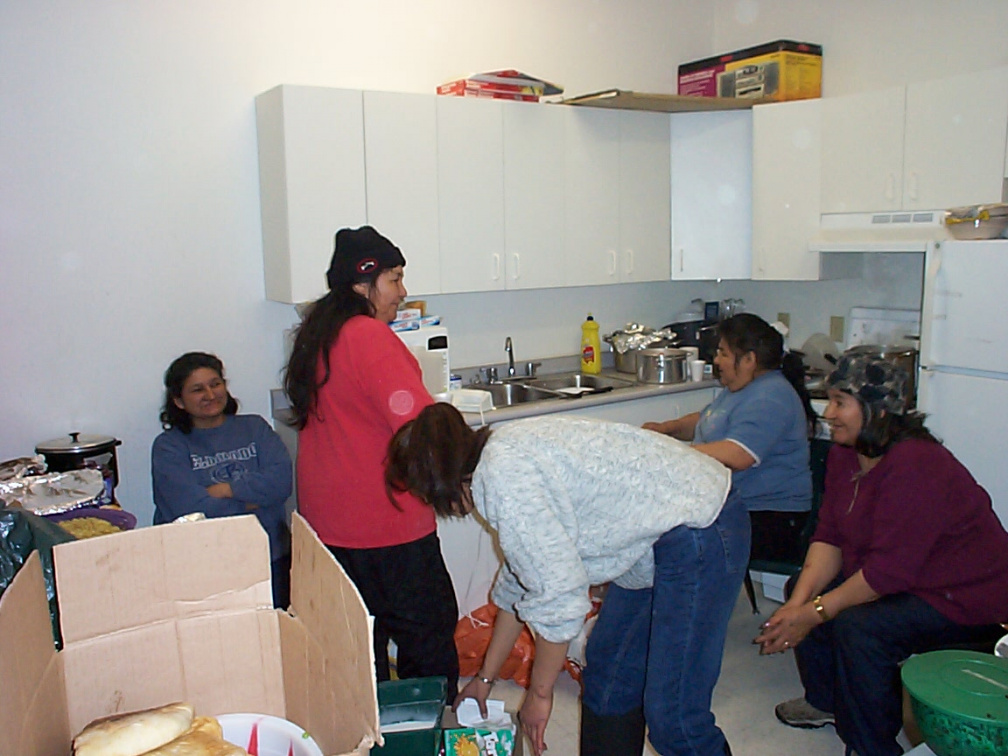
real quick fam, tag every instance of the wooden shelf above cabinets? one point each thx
(622, 99)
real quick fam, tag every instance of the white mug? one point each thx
(697, 370)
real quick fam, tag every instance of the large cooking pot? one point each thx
(630, 340)
(904, 356)
(662, 365)
(77, 450)
(625, 362)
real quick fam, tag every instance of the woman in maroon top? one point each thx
(908, 557)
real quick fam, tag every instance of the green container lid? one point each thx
(966, 684)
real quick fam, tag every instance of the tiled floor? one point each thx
(748, 689)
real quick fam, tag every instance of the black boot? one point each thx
(618, 735)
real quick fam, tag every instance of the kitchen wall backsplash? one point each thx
(546, 323)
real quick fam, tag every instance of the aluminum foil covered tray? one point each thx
(53, 492)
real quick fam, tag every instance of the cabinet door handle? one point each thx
(496, 266)
(912, 186)
(682, 259)
(517, 269)
(612, 262)
(890, 186)
(630, 262)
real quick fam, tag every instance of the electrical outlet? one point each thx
(836, 328)
(785, 318)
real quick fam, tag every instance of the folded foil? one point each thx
(53, 493)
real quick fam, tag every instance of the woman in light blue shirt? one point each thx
(759, 427)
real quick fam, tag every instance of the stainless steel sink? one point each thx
(588, 383)
(509, 394)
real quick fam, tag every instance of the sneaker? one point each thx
(800, 713)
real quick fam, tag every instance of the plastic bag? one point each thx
(21, 533)
(472, 638)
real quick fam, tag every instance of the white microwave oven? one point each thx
(430, 347)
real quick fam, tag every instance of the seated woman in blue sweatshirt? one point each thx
(211, 460)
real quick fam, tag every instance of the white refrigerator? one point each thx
(963, 380)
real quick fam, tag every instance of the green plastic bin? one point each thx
(420, 699)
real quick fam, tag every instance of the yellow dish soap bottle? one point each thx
(591, 347)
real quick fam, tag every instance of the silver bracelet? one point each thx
(485, 680)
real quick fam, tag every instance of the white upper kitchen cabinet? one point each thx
(862, 151)
(591, 196)
(400, 160)
(785, 189)
(311, 183)
(955, 140)
(534, 184)
(644, 191)
(616, 197)
(711, 184)
(926, 146)
(470, 156)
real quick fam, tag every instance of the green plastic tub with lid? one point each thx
(960, 701)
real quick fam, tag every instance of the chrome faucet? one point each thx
(510, 353)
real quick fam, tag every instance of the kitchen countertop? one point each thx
(634, 391)
(550, 406)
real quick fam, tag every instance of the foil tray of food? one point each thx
(52, 493)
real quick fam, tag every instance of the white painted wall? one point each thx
(129, 218)
(868, 44)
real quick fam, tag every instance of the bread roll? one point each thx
(204, 738)
(134, 733)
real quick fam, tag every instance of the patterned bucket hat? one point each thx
(877, 382)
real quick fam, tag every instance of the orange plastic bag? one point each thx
(472, 637)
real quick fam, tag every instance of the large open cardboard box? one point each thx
(183, 612)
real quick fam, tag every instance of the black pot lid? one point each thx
(76, 442)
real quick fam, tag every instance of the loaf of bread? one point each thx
(134, 733)
(171, 730)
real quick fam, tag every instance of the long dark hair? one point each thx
(315, 336)
(746, 332)
(432, 455)
(880, 431)
(173, 416)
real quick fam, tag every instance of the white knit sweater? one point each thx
(579, 502)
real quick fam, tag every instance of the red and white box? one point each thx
(505, 84)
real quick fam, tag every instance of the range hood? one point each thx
(897, 231)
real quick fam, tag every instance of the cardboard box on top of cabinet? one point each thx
(505, 84)
(183, 612)
(781, 70)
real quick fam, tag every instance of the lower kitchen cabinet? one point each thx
(652, 408)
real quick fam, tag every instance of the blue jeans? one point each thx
(849, 666)
(661, 647)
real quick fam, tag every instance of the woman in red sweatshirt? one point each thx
(352, 383)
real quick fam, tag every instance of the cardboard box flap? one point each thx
(33, 711)
(339, 654)
(170, 571)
